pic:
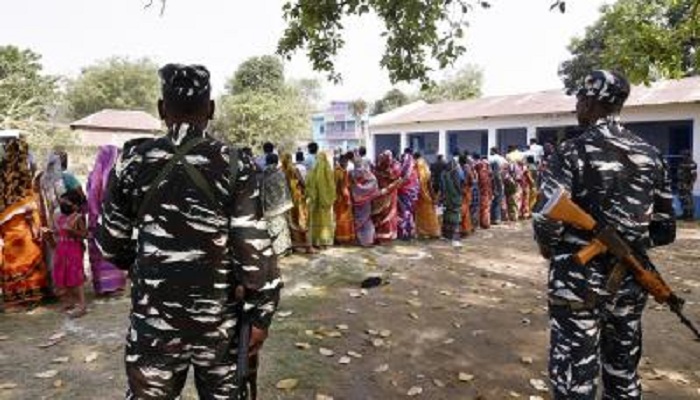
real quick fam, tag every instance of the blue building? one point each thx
(337, 127)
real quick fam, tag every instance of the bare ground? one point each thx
(479, 311)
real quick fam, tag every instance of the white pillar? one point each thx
(531, 134)
(443, 143)
(404, 143)
(493, 138)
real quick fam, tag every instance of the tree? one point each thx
(117, 83)
(359, 109)
(258, 74)
(394, 98)
(261, 106)
(646, 40)
(25, 93)
(463, 85)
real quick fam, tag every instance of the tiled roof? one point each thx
(680, 91)
(119, 120)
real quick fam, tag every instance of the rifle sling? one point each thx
(195, 176)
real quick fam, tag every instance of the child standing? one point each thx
(68, 273)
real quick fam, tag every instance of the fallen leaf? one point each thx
(287, 384)
(382, 368)
(385, 333)
(446, 293)
(60, 360)
(344, 360)
(514, 394)
(8, 386)
(477, 333)
(46, 345)
(536, 398)
(284, 314)
(457, 325)
(526, 311)
(413, 293)
(378, 342)
(46, 374)
(372, 332)
(525, 321)
(355, 295)
(323, 397)
(58, 383)
(351, 311)
(333, 334)
(342, 327)
(672, 376)
(413, 315)
(415, 391)
(464, 377)
(302, 346)
(91, 357)
(4, 338)
(414, 303)
(326, 352)
(439, 383)
(354, 354)
(526, 360)
(57, 336)
(448, 341)
(539, 385)
(309, 332)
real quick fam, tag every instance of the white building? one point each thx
(667, 114)
(115, 127)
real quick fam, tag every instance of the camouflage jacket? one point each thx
(186, 254)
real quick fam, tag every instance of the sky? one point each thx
(519, 44)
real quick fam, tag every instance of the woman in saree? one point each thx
(106, 278)
(407, 197)
(344, 221)
(385, 207)
(49, 187)
(453, 193)
(427, 225)
(276, 203)
(320, 192)
(298, 216)
(466, 221)
(23, 275)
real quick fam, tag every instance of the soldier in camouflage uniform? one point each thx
(192, 248)
(687, 175)
(622, 181)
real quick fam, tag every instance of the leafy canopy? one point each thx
(25, 93)
(393, 99)
(116, 83)
(646, 40)
(463, 85)
(260, 105)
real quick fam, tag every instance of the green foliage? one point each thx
(116, 83)
(394, 98)
(25, 93)
(260, 108)
(359, 108)
(416, 32)
(646, 40)
(258, 74)
(464, 85)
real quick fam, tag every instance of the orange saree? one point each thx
(22, 268)
(427, 225)
(344, 220)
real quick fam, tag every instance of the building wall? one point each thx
(673, 112)
(337, 127)
(96, 138)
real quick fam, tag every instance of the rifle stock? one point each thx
(561, 208)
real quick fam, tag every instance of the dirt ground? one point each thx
(478, 312)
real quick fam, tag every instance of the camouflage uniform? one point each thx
(188, 256)
(687, 175)
(623, 181)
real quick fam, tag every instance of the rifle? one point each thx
(246, 366)
(561, 208)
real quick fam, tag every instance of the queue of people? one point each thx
(47, 223)
(344, 199)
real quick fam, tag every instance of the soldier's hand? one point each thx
(257, 339)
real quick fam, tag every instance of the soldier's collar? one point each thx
(182, 132)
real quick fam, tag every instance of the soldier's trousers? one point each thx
(157, 365)
(583, 340)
